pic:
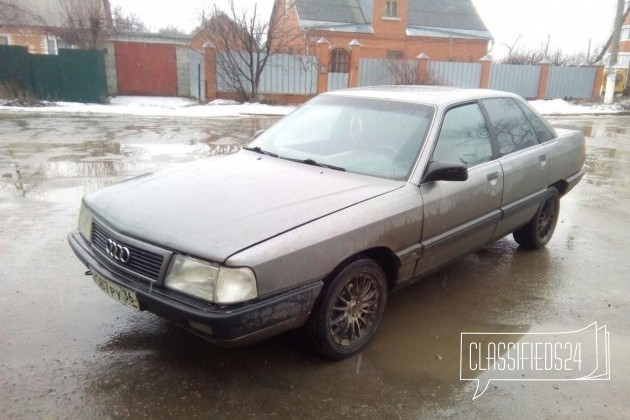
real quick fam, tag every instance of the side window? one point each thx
(544, 134)
(464, 137)
(514, 132)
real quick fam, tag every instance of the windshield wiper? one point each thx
(257, 149)
(310, 161)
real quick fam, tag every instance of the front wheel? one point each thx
(539, 230)
(350, 312)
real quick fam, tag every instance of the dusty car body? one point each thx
(355, 193)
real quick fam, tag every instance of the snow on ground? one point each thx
(159, 106)
(182, 107)
(561, 107)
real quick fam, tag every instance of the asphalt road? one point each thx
(69, 351)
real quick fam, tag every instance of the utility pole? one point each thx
(614, 51)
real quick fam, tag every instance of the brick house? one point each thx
(220, 30)
(623, 59)
(443, 30)
(44, 26)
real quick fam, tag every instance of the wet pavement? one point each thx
(68, 351)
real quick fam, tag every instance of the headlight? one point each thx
(85, 223)
(209, 282)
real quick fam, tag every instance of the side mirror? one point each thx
(258, 132)
(445, 171)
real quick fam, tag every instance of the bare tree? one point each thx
(11, 12)
(87, 22)
(244, 43)
(126, 22)
(524, 56)
(402, 71)
(511, 48)
(558, 57)
(171, 30)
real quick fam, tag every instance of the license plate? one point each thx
(121, 294)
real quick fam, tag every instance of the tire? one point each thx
(539, 230)
(350, 311)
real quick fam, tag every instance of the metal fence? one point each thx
(570, 82)
(375, 71)
(519, 79)
(73, 75)
(450, 73)
(283, 74)
(338, 81)
(197, 72)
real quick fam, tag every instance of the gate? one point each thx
(146, 68)
(197, 75)
(338, 81)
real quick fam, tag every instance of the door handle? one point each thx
(492, 176)
(542, 158)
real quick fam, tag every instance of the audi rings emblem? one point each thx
(117, 251)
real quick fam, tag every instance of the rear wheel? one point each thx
(350, 312)
(539, 230)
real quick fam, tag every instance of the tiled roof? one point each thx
(455, 14)
(338, 11)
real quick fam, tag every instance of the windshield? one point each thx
(367, 136)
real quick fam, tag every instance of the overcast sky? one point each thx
(569, 23)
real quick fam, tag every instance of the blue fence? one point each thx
(283, 74)
(450, 73)
(570, 82)
(520, 79)
(297, 74)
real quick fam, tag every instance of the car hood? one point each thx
(217, 207)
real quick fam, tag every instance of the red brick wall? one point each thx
(390, 35)
(146, 69)
(438, 49)
(387, 26)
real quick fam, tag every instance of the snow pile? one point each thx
(561, 107)
(182, 107)
(160, 106)
(152, 101)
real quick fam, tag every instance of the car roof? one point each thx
(433, 95)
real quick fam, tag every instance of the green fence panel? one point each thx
(73, 75)
(83, 75)
(46, 78)
(15, 69)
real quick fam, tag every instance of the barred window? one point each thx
(339, 61)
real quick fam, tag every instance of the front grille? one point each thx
(145, 263)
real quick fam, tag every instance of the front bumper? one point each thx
(230, 325)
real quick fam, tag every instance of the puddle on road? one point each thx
(605, 157)
(37, 147)
(100, 361)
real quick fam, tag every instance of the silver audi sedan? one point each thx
(313, 224)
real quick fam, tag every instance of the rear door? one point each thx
(523, 159)
(460, 216)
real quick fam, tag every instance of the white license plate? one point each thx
(121, 294)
